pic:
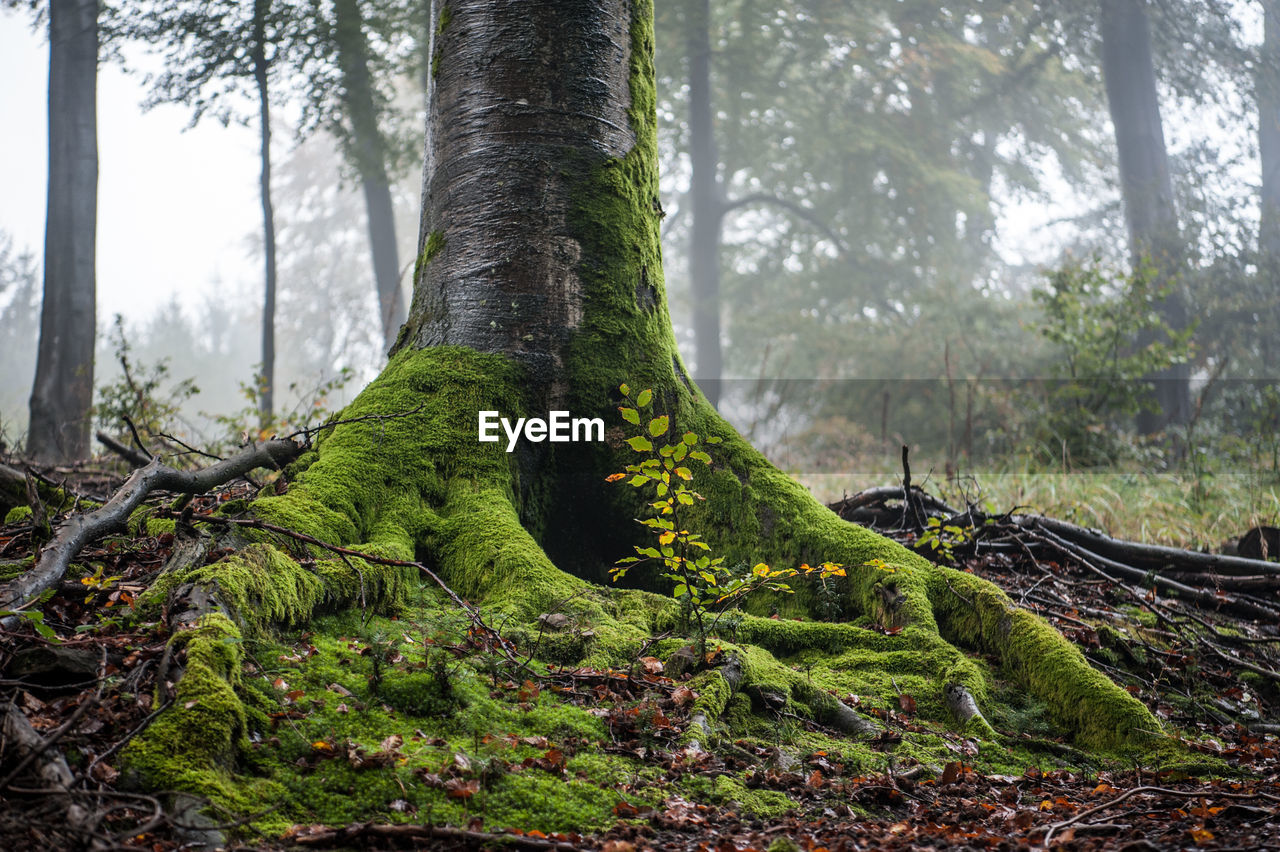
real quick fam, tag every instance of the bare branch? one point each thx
(78, 531)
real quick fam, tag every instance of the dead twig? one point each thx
(1183, 794)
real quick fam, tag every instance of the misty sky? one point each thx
(175, 209)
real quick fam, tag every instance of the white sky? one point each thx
(174, 209)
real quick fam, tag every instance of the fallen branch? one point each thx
(127, 453)
(78, 531)
(36, 752)
(1114, 570)
(52, 770)
(1157, 558)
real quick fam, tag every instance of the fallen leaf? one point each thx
(625, 809)
(950, 773)
(460, 789)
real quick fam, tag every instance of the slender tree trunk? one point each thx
(62, 395)
(266, 379)
(1268, 93)
(1145, 184)
(368, 151)
(706, 205)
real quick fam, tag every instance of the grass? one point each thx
(1177, 509)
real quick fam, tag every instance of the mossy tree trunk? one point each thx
(539, 287)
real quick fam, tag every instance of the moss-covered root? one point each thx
(1082, 699)
(487, 554)
(761, 513)
(191, 747)
(771, 685)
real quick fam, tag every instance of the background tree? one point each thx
(1268, 103)
(62, 395)
(19, 323)
(350, 91)
(933, 107)
(215, 54)
(1146, 184)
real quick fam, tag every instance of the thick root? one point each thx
(761, 514)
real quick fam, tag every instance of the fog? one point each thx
(926, 237)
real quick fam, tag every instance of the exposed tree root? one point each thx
(1215, 582)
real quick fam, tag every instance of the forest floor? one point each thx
(87, 683)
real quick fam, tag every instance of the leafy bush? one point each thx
(1110, 335)
(144, 395)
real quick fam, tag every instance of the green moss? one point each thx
(141, 522)
(1077, 696)
(435, 240)
(191, 746)
(263, 586)
(15, 568)
(17, 514)
(446, 15)
(733, 793)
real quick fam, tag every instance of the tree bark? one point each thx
(706, 205)
(266, 378)
(523, 101)
(62, 394)
(1268, 94)
(1146, 186)
(367, 150)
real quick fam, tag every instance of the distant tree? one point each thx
(1146, 184)
(19, 318)
(706, 204)
(217, 54)
(1268, 100)
(857, 151)
(62, 395)
(349, 88)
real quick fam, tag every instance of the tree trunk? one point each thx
(267, 376)
(367, 150)
(705, 204)
(539, 287)
(1268, 94)
(62, 394)
(1146, 186)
